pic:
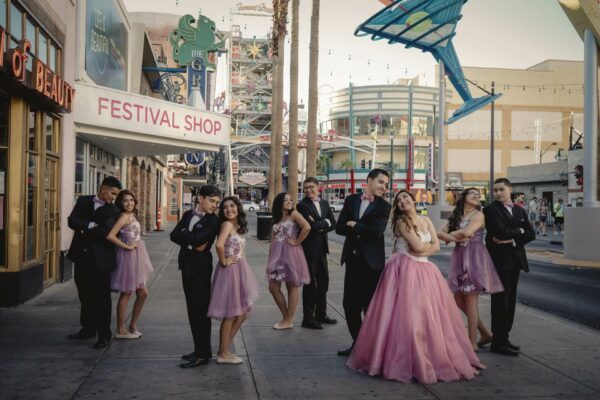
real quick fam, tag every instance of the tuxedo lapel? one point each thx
(357, 202)
(370, 208)
(311, 206)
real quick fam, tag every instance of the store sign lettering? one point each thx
(140, 113)
(43, 79)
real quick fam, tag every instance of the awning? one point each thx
(127, 124)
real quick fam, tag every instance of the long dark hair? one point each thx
(241, 218)
(399, 215)
(121, 196)
(456, 218)
(277, 211)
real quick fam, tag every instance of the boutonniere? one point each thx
(198, 225)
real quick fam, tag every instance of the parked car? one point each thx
(250, 205)
(421, 207)
(336, 205)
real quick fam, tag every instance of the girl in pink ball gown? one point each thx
(413, 329)
(287, 262)
(234, 286)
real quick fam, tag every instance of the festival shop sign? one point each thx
(105, 44)
(128, 112)
(42, 80)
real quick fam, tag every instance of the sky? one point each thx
(492, 33)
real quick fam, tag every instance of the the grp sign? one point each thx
(106, 44)
(42, 79)
(128, 112)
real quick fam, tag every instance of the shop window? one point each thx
(43, 48)
(31, 136)
(79, 166)
(52, 58)
(4, 107)
(32, 186)
(51, 133)
(16, 22)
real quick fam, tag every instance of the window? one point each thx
(52, 58)
(32, 186)
(51, 133)
(3, 13)
(16, 23)
(43, 49)
(79, 166)
(4, 108)
(31, 36)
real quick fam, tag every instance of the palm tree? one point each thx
(313, 94)
(347, 165)
(293, 118)
(323, 164)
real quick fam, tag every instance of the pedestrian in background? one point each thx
(286, 262)
(92, 219)
(543, 215)
(319, 215)
(472, 271)
(195, 233)
(559, 217)
(234, 287)
(533, 211)
(133, 265)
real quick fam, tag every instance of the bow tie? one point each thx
(368, 197)
(509, 205)
(197, 213)
(98, 201)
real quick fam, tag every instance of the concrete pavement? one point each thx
(560, 359)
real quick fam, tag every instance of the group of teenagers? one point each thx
(402, 315)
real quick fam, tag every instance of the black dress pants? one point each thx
(314, 295)
(503, 307)
(360, 283)
(84, 282)
(196, 287)
(102, 302)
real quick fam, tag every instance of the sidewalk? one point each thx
(560, 359)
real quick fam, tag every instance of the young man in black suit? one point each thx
(195, 233)
(321, 219)
(92, 219)
(508, 230)
(362, 221)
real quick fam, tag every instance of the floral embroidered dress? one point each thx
(471, 268)
(286, 263)
(133, 266)
(234, 287)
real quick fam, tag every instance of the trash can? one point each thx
(264, 223)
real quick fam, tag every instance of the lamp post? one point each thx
(543, 152)
(391, 164)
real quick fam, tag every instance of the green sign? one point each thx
(194, 42)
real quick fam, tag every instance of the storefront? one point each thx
(35, 95)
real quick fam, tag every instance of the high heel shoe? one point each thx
(484, 340)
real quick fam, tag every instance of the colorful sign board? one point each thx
(106, 44)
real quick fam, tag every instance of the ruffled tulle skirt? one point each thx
(413, 329)
(287, 264)
(234, 290)
(133, 269)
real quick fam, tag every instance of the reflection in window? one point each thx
(43, 49)
(16, 22)
(3, 12)
(31, 224)
(31, 142)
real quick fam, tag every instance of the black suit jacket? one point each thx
(92, 243)
(316, 244)
(367, 234)
(502, 225)
(203, 232)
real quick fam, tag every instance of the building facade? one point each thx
(36, 101)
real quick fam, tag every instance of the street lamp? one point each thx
(391, 164)
(543, 152)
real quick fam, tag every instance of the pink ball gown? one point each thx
(286, 263)
(234, 288)
(413, 329)
(471, 267)
(133, 266)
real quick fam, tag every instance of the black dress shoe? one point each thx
(81, 335)
(327, 320)
(102, 343)
(345, 352)
(188, 357)
(313, 324)
(504, 350)
(194, 362)
(513, 346)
